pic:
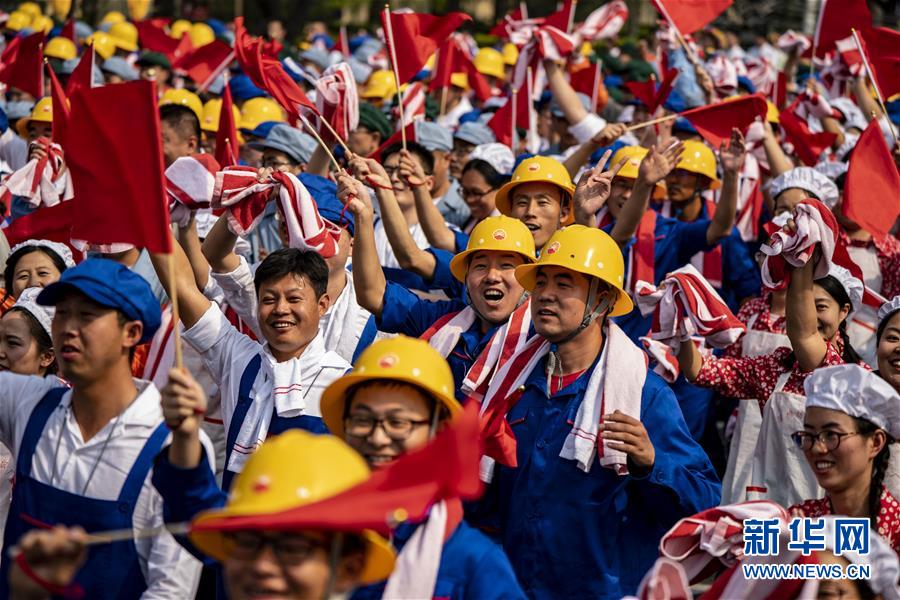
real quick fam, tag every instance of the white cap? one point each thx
(888, 308)
(808, 180)
(857, 392)
(853, 116)
(61, 250)
(832, 169)
(852, 285)
(28, 301)
(497, 155)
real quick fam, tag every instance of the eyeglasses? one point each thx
(275, 164)
(474, 194)
(829, 439)
(396, 428)
(289, 549)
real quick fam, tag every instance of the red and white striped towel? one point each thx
(604, 395)
(666, 362)
(684, 305)
(42, 181)
(665, 580)
(815, 225)
(509, 339)
(413, 98)
(712, 540)
(190, 182)
(604, 23)
(444, 334)
(244, 199)
(338, 100)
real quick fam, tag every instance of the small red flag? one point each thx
(116, 200)
(395, 139)
(60, 109)
(452, 59)
(83, 75)
(807, 145)
(22, 64)
(690, 15)
(649, 94)
(206, 62)
(414, 38)
(226, 136)
(500, 30)
(182, 52)
(68, 30)
(836, 19)
(715, 121)
(155, 39)
(502, 121)
(881, 50)
(870, 191)
(562, 18)
(52, 223)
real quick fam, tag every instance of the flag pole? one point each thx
(512, 139)
(871, 75)
(315, 134)
(652, 122)
(529, 89)
(389, 35)
(523, 9)
(815, 47)
(687, 51)
(176, 316)
(596, 91)
(571, 16)
(328, 126)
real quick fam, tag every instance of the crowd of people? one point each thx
(642, 336)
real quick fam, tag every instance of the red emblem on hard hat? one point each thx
(387, 361)
(499, 234)
(554, 248)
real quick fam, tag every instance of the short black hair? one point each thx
(494, 178)
(424, 154)
(181, 119)
(292, 261)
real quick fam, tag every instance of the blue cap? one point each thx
(893, 110)
(121, 67)
(4, 121)
(472, 115)
(475, 133)
(433, 136)
(17, 109)
(244, 89)
(317, 56)
(218, 27)
(289, 140)
(263, 129)
(744, 82)
(324, 192)
(110, 284)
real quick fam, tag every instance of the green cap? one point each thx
(154, 59)
(374, 120)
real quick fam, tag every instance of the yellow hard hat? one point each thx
(259, 110)
(510, 54)
(586, 49)
(497, 234)
(273, 481)
(699, 158)
(381, 84)
(41, 23)
(635, 154)
(61, 48)
(489, 61)
(18, 21)
(211, 112)
(32, 9)
(125, 36)
(179, 28)
(138, 9)
(60, 8)
(113, 17)
(585, 250)
(537, 169)
(460, 80)
(184, 98)
(201, 34)
(42, 112)
(103, 44)
(405, 359)
(772, 113)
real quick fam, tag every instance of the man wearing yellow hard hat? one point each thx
(397, 397)
(212, 111)
(180, 112)
(39, 123)
(125, 37)
(496, 247)
(258, 116)
(380, 87)
(490, 63)
(599, 438)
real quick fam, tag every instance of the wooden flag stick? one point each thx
(687, 50)
(315, 134)
(121, 535)
(871, 76)
(571, 16)
(443, 100)
(651, 122)
(815, 46)
(176, 317)
(328, 126)
(389, 34)
(512, 139)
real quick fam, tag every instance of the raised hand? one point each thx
(628, 435)
(410, 170)
(609, 134)
(594, 187)
(183, 402)
(354, 195)
(733, 153)
(53, 555)
(659, 162)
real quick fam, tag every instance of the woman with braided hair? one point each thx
(852, 416)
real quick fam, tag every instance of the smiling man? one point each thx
(274, 386)
(459, 329)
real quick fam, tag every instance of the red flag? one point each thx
(870, 191)
(206, 62)
(562, 19)
(651, 96)
(83, 75)
(881, 50)
(22, 64)
(68, 30)
(413, 38)
(690, 15)
(445, 469)
(715, 121)
(502, 121)
(226, 135)
(453, 59)
(500, 30)
(154, 38)
(807, 145)
(118, 201)
(52, 223)
(395, 139)
(836, 19)
(60, 109)
(182, 52)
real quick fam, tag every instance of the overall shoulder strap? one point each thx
(131, 489)
(243, 404)
(35, 428)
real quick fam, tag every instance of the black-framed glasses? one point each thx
(288, 548)
(275, 164)
(396, 428)
(474, 194)
(830, 439)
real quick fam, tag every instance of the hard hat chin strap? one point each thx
(590, 315)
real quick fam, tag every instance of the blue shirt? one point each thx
(571, 534)
(404, 312)
(472, 568)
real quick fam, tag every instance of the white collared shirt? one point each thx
(227, 352)
(170, 571)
